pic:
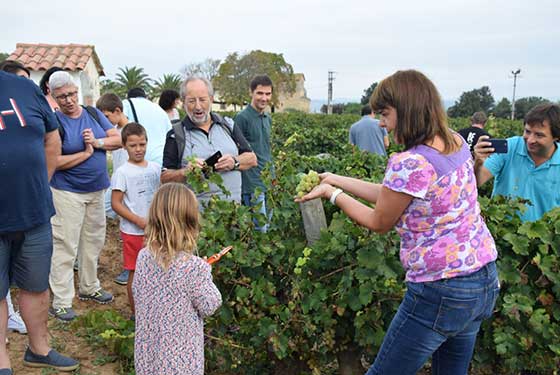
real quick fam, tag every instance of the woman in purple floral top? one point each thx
(429, 195)
(173, 289)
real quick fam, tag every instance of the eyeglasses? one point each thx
(63, 97)
(193, 101)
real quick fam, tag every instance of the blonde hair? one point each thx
(420, 113)
(173, 223)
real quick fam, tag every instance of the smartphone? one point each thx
(500, 145)
(212, 160)
(216, 257)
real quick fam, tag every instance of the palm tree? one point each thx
(108, 85)
(166, 82)
(132, 77)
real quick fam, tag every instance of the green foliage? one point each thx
(352, 109)
(367, 93)
(132, 77)
(236, 72)
(497, 127)
(3, 56)
(525, 330)
(472, 101)
(166, 82)
(110, 86)
(524, 105)
(109, 330)
(503, 109)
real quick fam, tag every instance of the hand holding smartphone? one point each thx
(213, 159)
(500, 146)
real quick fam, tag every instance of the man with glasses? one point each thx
(29, 148)
(530, 167)
(201, 135)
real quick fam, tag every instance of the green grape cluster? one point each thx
(307, 183)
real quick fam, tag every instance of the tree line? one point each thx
(469, 102)
(481, 99)
(230, 77)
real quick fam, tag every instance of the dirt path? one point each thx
(63, 338)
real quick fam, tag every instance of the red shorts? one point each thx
(132, 244)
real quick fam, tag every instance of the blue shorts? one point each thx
(25, 259)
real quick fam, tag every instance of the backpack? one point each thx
(226, 124)
(92, 112)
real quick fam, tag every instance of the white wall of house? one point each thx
(90, 84)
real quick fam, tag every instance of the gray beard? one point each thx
(200, 122)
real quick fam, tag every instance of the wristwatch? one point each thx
(100, 143)
(235, 163)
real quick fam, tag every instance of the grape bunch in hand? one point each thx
(307, 183)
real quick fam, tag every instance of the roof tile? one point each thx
(67, 56)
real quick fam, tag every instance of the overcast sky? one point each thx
(460, 45)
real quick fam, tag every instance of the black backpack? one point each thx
(92, 112)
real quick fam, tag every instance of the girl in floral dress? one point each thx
(173, 289)
(429, 195)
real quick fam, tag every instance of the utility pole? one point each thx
(515, 73)
(329, 100)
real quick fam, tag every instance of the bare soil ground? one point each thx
(63, 338)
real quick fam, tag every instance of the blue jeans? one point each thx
(249, 200)
(438, 319)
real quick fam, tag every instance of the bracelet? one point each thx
(335, 194)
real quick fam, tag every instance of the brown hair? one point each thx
(173, 223)
(109, 102)
(479, 118)
(542, 112)
(420, 113)
(132, 128)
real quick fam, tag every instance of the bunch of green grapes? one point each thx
(307, 182)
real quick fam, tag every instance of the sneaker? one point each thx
(101, 296)
(122, 279)
(6, 371)
(54, 360)
(64, 314)
(15, 323)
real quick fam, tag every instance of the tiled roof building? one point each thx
(80, 60)
(70, 57)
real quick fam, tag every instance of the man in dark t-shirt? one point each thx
(472, 133)
(29, 147)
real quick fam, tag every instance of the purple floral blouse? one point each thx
(442, 232)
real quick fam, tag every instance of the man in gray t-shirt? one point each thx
(368, 135)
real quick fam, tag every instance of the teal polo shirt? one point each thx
(256, 128)
(516, 176)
